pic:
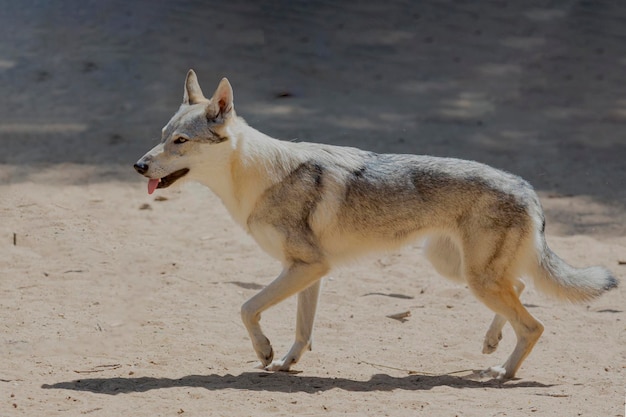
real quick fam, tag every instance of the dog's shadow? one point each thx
(282, 382)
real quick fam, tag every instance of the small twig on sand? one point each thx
(402, 317)
(411, 372)
(100, 368)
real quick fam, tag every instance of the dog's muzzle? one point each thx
(163, 182)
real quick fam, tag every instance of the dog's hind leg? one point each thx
(496, 291)
(307, 305)
(494, 334)
(505, 302)
(445, 256)
(490, 258)
(295, 278)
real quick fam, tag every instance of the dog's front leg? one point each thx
(294, 279)
(307, 305)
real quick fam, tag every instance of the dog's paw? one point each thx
(264, 352)
(281, 365)
(490, 344)
(495, 372)
(267, 359)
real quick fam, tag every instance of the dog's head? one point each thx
(195, 139)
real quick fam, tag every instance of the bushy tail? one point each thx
(556, 277)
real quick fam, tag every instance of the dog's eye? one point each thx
(180, 140)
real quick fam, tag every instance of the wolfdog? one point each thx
(314, 206)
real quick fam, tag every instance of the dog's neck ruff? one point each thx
(256, 162)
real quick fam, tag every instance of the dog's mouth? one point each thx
(166, 181)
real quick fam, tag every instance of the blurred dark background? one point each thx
(533, 87)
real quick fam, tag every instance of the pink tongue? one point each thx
(152, 185)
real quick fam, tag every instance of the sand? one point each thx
(113, 302)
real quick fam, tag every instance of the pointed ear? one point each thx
(222, 100)
(193, 92)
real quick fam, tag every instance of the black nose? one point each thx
(141, 167)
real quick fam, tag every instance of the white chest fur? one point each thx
(269, 239)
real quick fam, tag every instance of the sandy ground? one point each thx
(113, 302)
